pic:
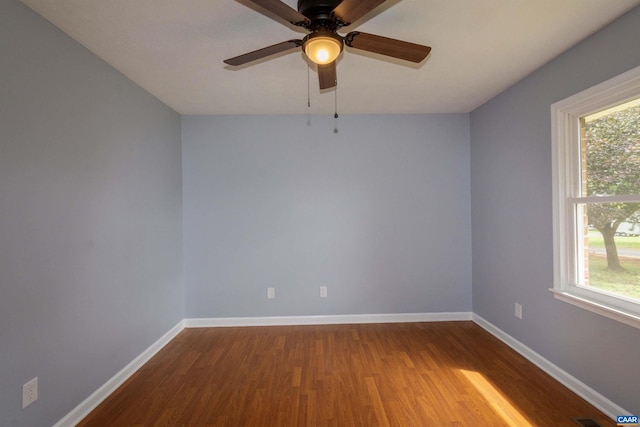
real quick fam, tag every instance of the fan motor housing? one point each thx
(318, 11)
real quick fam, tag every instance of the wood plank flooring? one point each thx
(409, 374)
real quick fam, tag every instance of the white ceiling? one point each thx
(174, 49)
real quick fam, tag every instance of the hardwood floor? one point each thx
(410, 374)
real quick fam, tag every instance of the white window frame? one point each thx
(565, 132)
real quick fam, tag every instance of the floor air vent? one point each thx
(586, 422)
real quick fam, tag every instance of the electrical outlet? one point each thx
(518, 311)
(271, 293)
(29, 392)
(323, 291)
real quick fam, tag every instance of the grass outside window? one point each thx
(625, 283)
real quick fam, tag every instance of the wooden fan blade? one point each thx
(263, 53)
(283, 11)
(328, 75)
(350, 11)
(386, 46)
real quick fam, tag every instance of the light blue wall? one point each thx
(379, 213)
(512, 219)
(90, 219)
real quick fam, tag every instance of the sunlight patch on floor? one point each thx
(498, 403)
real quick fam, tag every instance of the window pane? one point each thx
(611, 151)
(611, 252)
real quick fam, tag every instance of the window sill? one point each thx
(625, 317)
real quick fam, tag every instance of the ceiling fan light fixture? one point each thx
(322, 47)
(322, 19)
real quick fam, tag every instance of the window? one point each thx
(596, 198)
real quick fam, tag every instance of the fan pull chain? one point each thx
(335, 116)
(308, 97)
(308, 88)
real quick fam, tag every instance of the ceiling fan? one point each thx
(323, 45)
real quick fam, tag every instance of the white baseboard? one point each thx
(326, 319)
(91, 402)
(572, 383)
